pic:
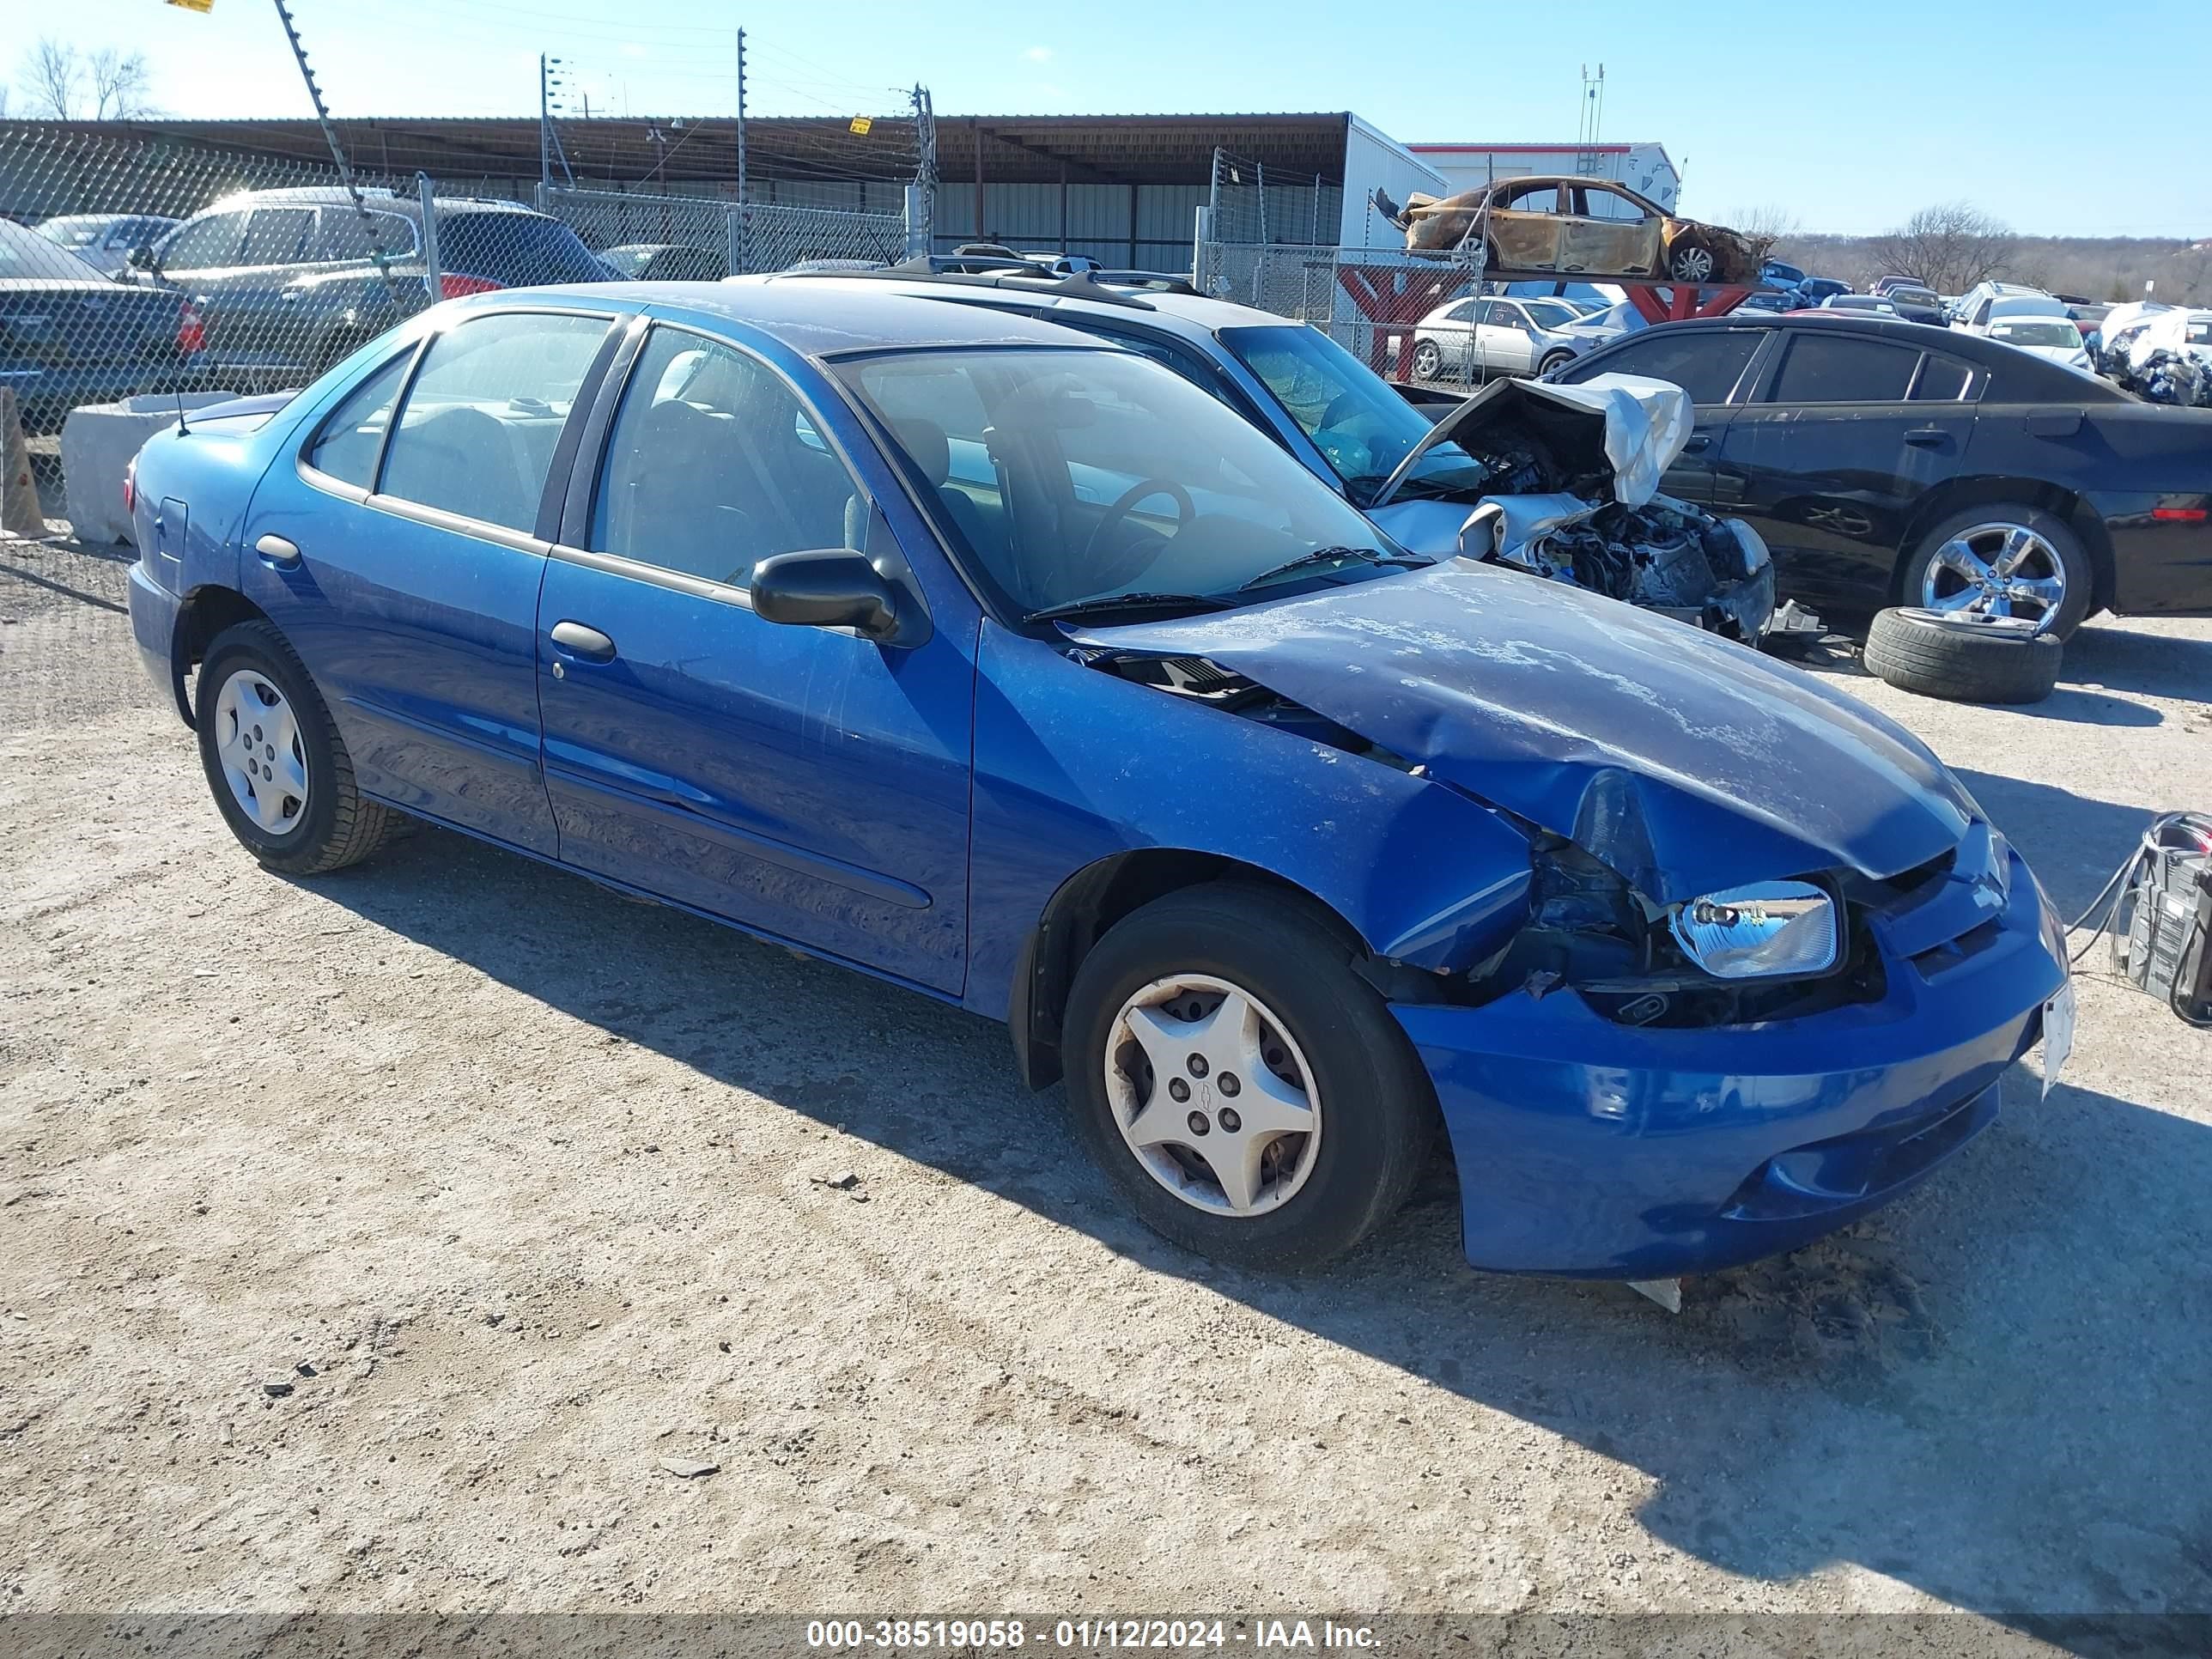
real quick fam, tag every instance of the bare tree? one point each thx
(1950, 247)
(1763, 227)
(50, 77)
(119, 84)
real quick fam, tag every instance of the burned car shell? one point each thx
(1587, 1145)
(1560, 240)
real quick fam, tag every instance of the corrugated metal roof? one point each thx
(1166, 149)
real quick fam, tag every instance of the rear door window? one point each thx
(208, 244)
(348, 236)
(1841, 368)
(276, 236)
(1942, 379)
(476, 436)
(1705, 362)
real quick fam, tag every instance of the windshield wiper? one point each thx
(1329, 555)
(1104, 602)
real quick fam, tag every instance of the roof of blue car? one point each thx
(827, 319)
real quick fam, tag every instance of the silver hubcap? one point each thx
(257, 741)
(1693, 264)
(1426, 359)
(1212, 1096)
(1997, 570)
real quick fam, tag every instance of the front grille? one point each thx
(1946, 912)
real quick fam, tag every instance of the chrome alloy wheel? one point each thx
(1212, 1095)
(256, 742)
(1991, 570)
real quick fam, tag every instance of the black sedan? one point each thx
(70, 335)
(1886, 462)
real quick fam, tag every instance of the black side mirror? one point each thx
(831, 588)
(141, 257)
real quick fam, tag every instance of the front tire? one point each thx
(275, 761)
(1248, 1093)
(1552, 363)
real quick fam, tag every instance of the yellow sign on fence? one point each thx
(861, 124)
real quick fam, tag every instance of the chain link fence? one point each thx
(1373, 302)
(133, 264)
(684, 238)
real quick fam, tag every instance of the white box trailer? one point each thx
(1373, 160)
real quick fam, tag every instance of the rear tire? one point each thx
(275, 761)
(2056, 553)
(1155, 985)
(1962, 658)
(1428, 360)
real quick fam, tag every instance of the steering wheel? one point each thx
(1134, 560)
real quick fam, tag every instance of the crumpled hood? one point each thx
(1685, 763)
(1631, 425)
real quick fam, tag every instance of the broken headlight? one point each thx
(1761, 930)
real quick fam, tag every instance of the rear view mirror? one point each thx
(832, 587)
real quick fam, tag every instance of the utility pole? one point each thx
(744, 228)
(545, 134)
(921, 218)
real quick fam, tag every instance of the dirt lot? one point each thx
(371, 1241)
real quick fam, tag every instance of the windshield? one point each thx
(1549, 313)
(1360, 425)
(25, 253)
(1072, 475)
(75, 232)
(2038, 333)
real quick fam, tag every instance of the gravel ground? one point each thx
(375, 1240)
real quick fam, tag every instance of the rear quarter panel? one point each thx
(2126, 461)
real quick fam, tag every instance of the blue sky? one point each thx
(1850, 118)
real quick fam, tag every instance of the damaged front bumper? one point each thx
(1592, 1149)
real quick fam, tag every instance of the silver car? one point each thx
(1474, 339)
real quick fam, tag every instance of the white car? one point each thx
(1474, 339)
(1983, 305)
(2052, 337)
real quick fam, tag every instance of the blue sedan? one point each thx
(1001, 663)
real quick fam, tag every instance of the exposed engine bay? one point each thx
(1570, 492)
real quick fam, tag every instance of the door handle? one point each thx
(276, 551)
(1927, 437)
(1695, 441)
(579, 641)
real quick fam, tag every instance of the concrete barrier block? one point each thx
(98, 441)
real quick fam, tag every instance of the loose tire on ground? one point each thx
(1376, 1114)
(336, 825)
(1962, 658)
